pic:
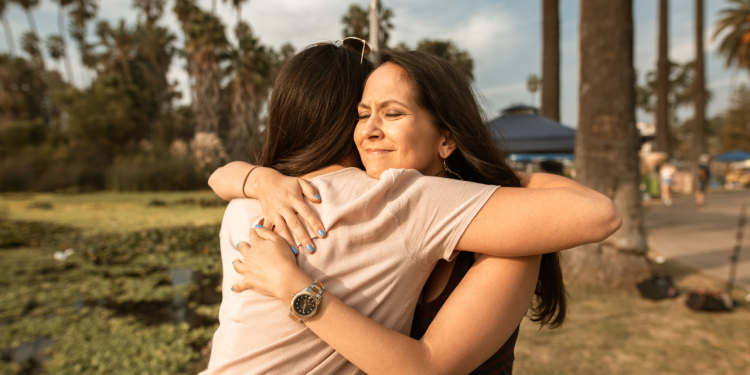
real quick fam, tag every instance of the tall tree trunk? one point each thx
(662, 82)
(374, 29)
(607, 143)
(699, 90)
(205, 73)
(61, 27)
(243, 122)
(9, 35)
(551, 59)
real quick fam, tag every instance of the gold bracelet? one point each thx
(245, 182)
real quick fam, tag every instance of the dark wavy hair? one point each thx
(312, 112)
(446, 93)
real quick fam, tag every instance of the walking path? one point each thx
(702, 237)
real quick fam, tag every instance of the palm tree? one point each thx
(449, 51)
(61, 27)
(735, 26)
(205, 41)
(151, 10)
(254, 70)
(6, 25)
(82, 12)
(27, 6)
(118, 46)
(699, 96)
(662, 82)
(56, 47)
(237, 5)
(30, 45)
(607, 143)
(551, 59)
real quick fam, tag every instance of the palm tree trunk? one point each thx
(662, 82)
(607, 143)
(9, 35)
(699, 90)
(551, 59)
(61, 26)
(206, 77)
(32, 22)
(243, 122)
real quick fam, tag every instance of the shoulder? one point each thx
(240, 215)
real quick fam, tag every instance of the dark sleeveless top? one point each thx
(502, 361)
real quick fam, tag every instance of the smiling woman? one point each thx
(394, 131)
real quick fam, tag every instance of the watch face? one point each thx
(304, 305)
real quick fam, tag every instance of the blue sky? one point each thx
(503, 36)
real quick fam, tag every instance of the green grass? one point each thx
(617, 332)
(109, 212)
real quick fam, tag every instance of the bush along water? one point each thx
(135, 303)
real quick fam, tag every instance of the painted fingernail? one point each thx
(233, 262)
(238, 245)
(318, 197)
(309, 248)
(321, 232)
(294, 250)
(258, 226)
(232, 289)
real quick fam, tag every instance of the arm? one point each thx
(477, 319)
(553, 213)
(282, 198)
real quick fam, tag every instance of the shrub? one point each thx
(109, 308)
(137, 173)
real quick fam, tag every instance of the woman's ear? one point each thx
(447, 145)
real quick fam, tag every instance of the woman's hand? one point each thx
(281, 199)
(269, 268)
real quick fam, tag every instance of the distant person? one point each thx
(552, 167)
(703, 174)
(666, 172)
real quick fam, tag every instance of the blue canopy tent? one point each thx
(524, 131)
(736, 155)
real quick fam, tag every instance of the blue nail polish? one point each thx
(318, 197)
(309, 248)
(232, 262)
(294, 250)
(321, 232)
(232, 289)
(258, 226)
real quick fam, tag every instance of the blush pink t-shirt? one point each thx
(384, 238)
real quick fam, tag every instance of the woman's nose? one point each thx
(371, 129)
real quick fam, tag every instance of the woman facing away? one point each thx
(388, 234)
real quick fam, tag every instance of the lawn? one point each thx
(617, 332)
(109, 212)
(118, 281)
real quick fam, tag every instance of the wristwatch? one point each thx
(305, 303)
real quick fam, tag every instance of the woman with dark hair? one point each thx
(417, 112)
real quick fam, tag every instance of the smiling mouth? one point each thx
(377, 151)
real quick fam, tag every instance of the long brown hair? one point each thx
(313, 110)
(446, 93)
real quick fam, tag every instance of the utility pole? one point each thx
(374, 30)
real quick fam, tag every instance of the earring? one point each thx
(445, 166)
